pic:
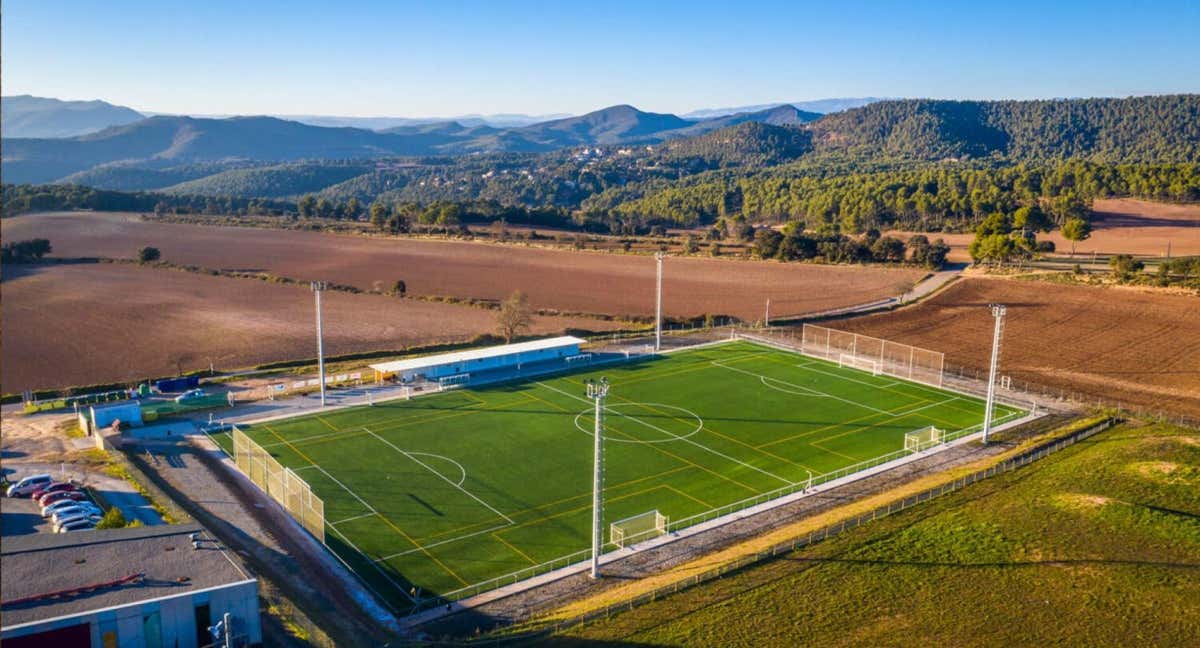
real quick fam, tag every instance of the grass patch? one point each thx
(1080, 548)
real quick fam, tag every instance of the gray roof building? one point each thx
(148, 586)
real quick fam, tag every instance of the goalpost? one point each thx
(923, 439)
(637, 528)
(857, 362)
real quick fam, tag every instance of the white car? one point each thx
(78, 525)
(72, 511)
(29, 484)
(54, 507)
(91, 518)
(191, 394)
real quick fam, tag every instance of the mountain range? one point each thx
(27, 116)
(162, 141)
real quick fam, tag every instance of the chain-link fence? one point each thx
(1023, 459)
(281, 483)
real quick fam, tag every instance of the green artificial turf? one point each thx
(433, 494)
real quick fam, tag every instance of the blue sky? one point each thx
(449, 58)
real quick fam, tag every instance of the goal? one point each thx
(650, 524)
(856, 362)
(923, 439)
(456, 379)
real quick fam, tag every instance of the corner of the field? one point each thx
(728, 555)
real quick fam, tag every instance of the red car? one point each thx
(57, 487)
(58, 496)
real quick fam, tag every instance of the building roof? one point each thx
(424, 362)
(73, 565)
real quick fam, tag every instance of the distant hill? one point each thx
(280, 181)
(28, 116)
(819, 106)
(1138, 129)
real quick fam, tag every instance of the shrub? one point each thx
(113, 519)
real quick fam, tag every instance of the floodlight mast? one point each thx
(998, 312)
(658, 257)
(317, 287)
(597, 391)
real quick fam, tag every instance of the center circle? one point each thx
(583, 421)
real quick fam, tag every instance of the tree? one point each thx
(1124, 266)
(766, 243)
(691, 245)
(397, 224)
(379, 214)
(938, 252)
(113, 519)
(148, 254)
(399, 288)
(353, 209)
(307, 206)
(324, 208)
(24, 251)
(514, 317)
(888, 249)
(1033, 219)
(1076, 230)
(918, 249)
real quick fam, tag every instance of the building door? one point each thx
(203, 620)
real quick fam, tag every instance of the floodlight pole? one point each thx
(998, 312)
(597, 391)
(658, 257)
(767, 315)
(317, 287)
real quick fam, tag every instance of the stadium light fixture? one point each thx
(658, 257)
(597, 391)
(317, 288)
(998, 312)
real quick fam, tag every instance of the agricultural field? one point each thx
(448, 491)
(96, 323)
(1120, 226)
(1097, 545)
(1115, 344)
(565, 280)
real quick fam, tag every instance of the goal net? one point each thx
(892, 358)
(923, 439)
(857, 362)
(637, 528)
(456, 379)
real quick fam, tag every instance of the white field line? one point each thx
(844, 400)
(684, 439)
(442, 542)
(805, 390)
(441, 476)
(463, 471)
(356, 517)
(398, 586)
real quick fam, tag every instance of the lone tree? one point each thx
(399, 288)
(514, 317)
(148, 254)
(1076, 230)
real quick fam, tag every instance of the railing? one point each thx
(1013, 463)
(507, 579)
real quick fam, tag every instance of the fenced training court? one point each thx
(449, 495)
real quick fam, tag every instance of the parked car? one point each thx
(78, 525)
(58, 496)
(29, 484)
(60, 504)
(68, 511)
(54, 487)
(90, 518)
(191, 394)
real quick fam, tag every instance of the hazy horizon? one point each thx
(417, 60)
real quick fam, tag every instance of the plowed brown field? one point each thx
(1108, 343)
(566, 280)
(1120, 226)
(92, 323)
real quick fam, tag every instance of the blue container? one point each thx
(183, 383)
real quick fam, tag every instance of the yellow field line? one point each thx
(381, 516)
(331, 426)
(581, 508)
(817, 445)
(514, 548)
(694, 499)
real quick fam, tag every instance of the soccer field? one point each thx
(435, 494)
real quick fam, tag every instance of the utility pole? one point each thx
(767, 316)
(998, 312)
(317, 287)
(597, 391)
(658, 256)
